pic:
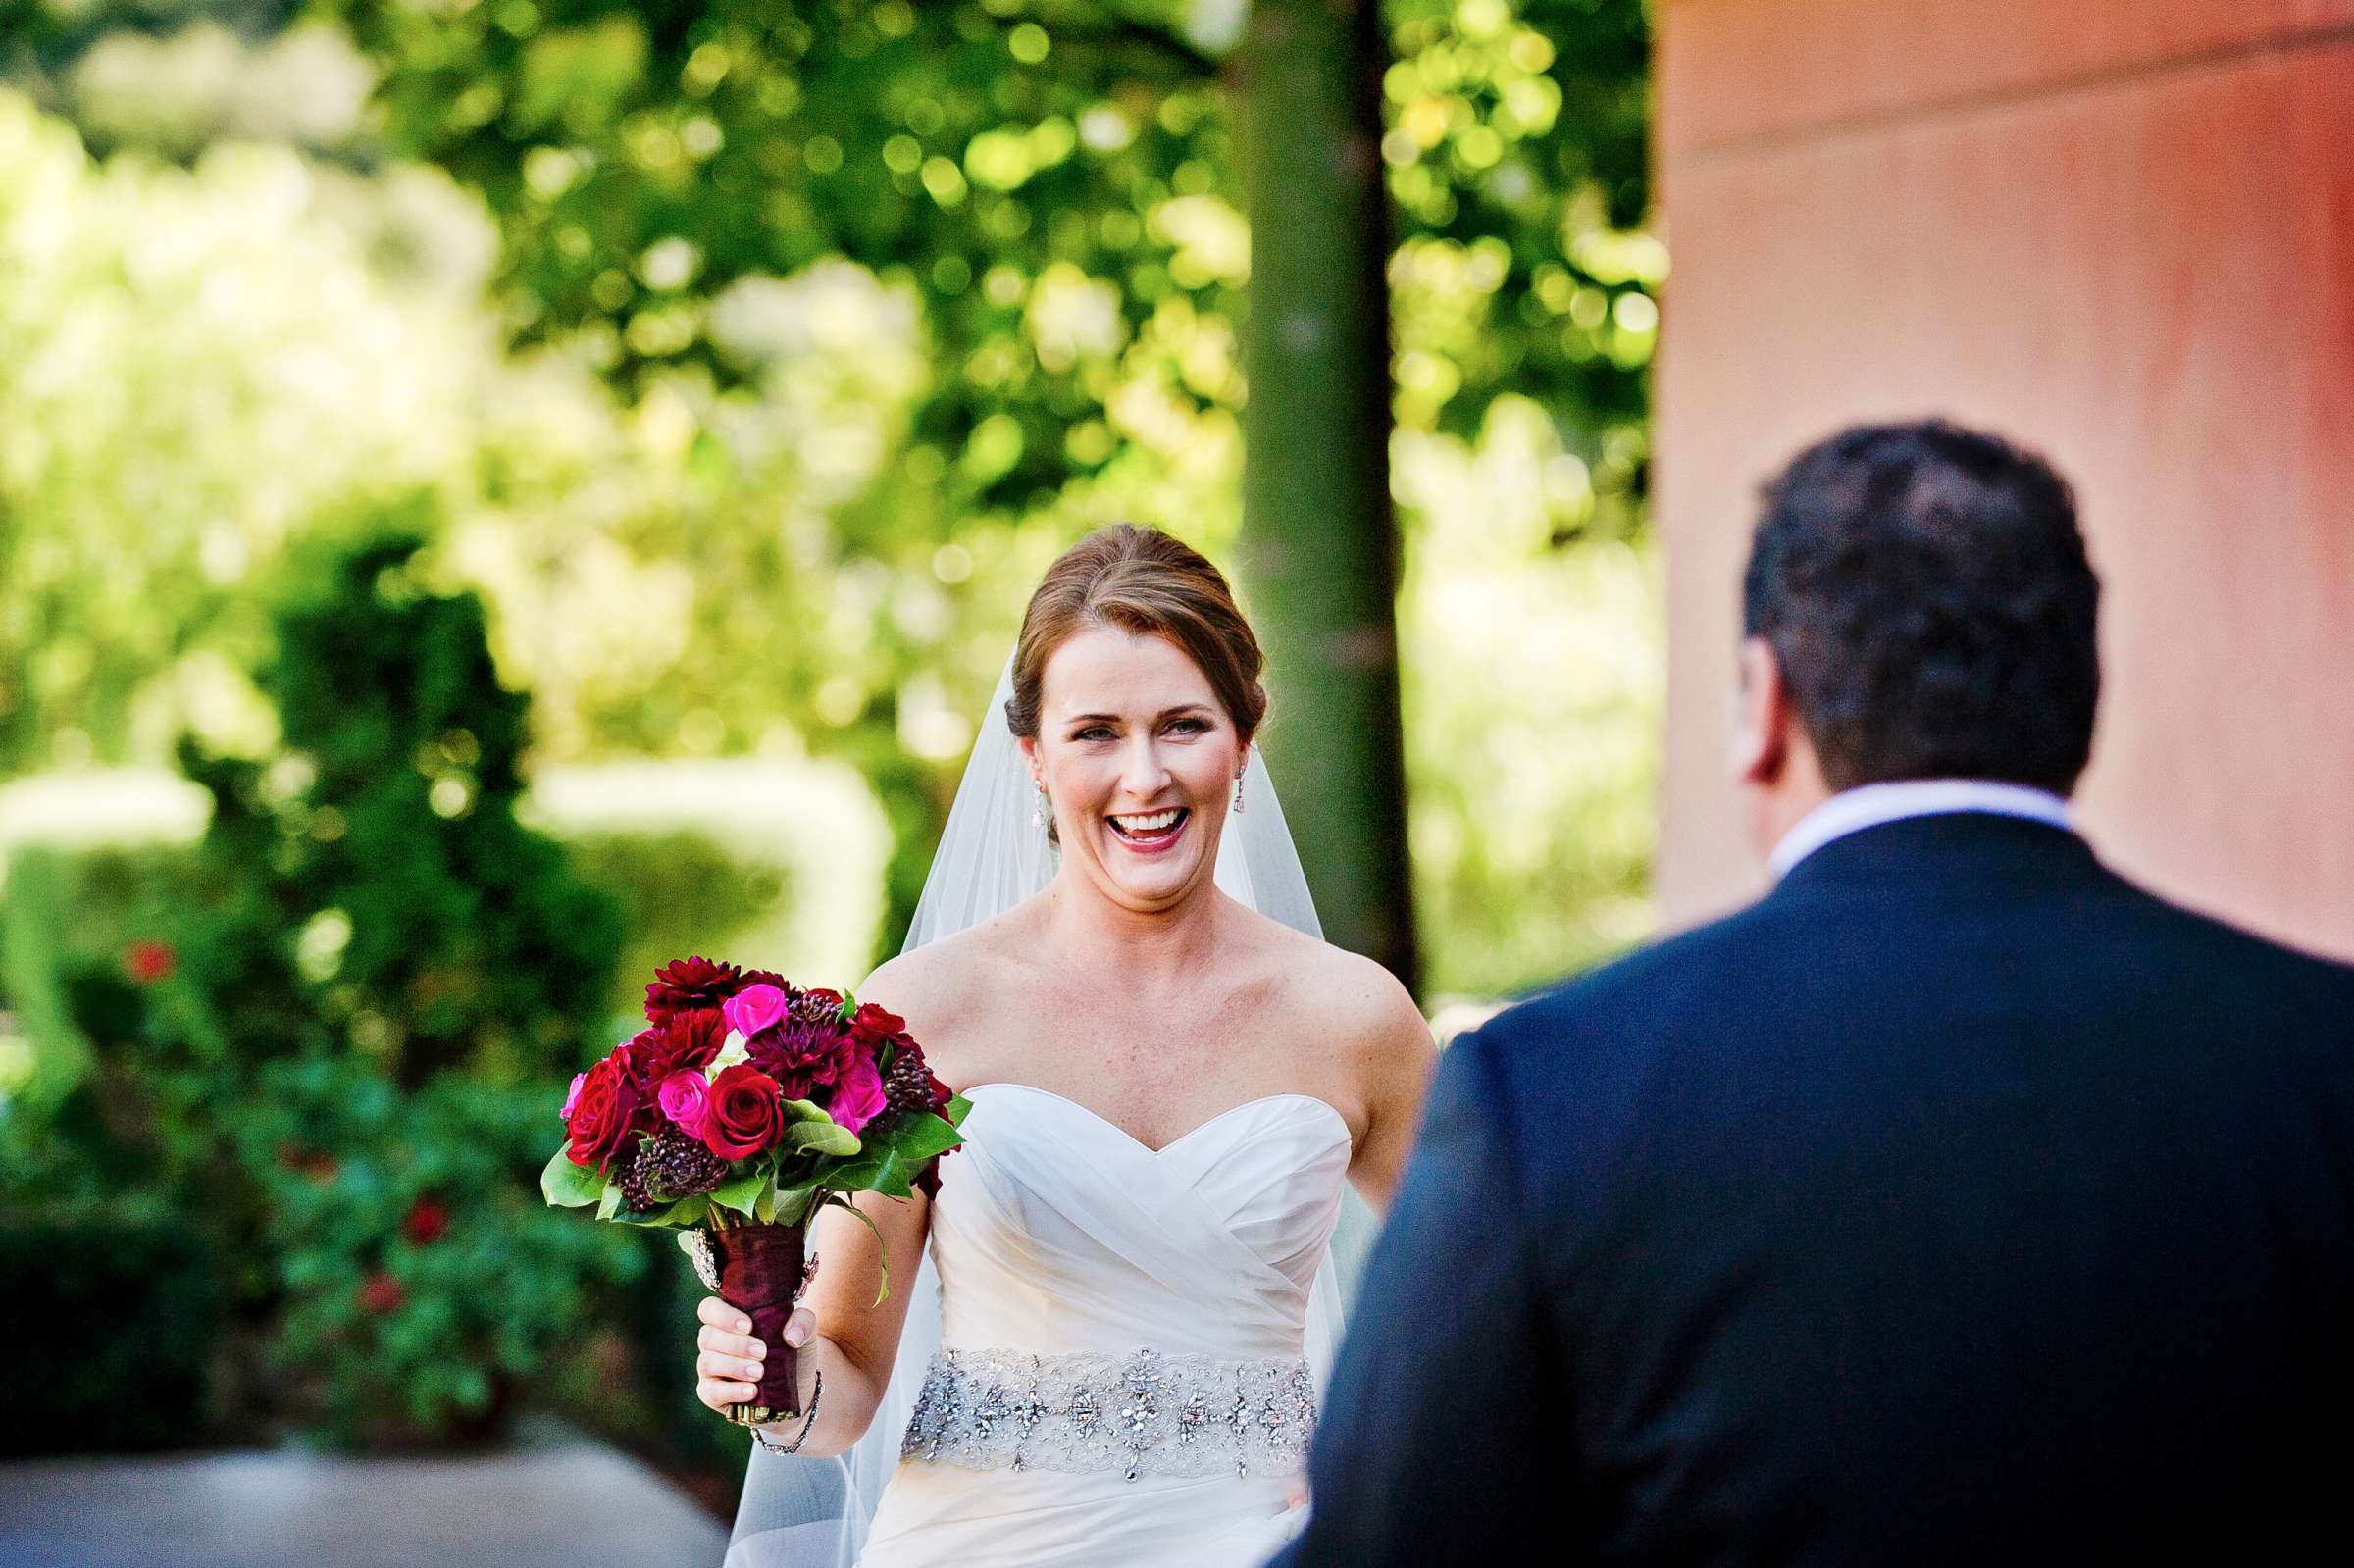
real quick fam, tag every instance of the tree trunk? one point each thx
(1319, 555)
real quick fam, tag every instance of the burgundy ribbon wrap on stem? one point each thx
(761, 1270)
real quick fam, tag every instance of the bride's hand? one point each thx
(728, 1369)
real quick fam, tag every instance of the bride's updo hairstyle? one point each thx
(1139, 581)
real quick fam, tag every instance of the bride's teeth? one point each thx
(1155, 823)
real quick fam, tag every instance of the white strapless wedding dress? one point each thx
(1121, 1377)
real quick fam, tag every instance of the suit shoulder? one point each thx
(1556, 1031)
(1641, 978)
(2291, 974)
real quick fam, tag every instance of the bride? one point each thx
(1104, 1355)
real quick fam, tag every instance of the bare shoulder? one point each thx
(946, 988)
(1348, 1002)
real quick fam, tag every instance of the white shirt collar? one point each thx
(1854, 810)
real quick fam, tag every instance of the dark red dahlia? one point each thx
(691, 984)
(690, 1038)
(765, 977)
(640, 1058)
(801, 1057)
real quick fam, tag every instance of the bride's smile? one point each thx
(1138, 759)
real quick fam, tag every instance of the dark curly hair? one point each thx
(1925, 589)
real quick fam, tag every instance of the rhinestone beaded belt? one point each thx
(1143, 1414)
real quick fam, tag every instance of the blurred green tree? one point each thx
(888, 300)
(1320, 544)
(369, 879)
(1058, 182)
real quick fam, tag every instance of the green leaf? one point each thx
(568, 1186)
(686, 1211)
(919, 1135)
(742, 1192)
(882, 1252)
(853, 1175)
(793, 1204)
(878, 1171)
(610, 1204)
(804, 1111)
(822, 1138)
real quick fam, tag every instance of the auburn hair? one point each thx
(1141, 581)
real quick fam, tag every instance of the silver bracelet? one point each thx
(817, 1391)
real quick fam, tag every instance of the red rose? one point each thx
(426, 1222)
(745, 1115)
(148, 962)
(873, 1026)
(379, 1293)
(612, 1106)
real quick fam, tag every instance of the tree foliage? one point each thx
(760, 353)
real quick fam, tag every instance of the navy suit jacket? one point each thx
(1957, 1203)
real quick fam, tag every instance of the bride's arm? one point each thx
(852, 1339)
(1395, 1056)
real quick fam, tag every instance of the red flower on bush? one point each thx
(691, 984)
(149, 961)
(427, 1222)
(610, 1106)
(380, 1293)
(745, 1113)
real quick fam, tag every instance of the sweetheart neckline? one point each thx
(1347, 1134)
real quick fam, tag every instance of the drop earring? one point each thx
(1238, 794)
(1044, 811)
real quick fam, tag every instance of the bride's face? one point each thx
(1140, 761)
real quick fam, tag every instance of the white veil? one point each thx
(813, 1513)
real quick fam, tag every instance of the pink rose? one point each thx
(858, 1098)
(753, 1009)
(573, 1097)
(686, 1097)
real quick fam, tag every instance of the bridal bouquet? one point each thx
(744, 1107)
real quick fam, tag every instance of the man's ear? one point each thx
(1762, 715)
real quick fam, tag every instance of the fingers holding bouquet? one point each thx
(730, 1359)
